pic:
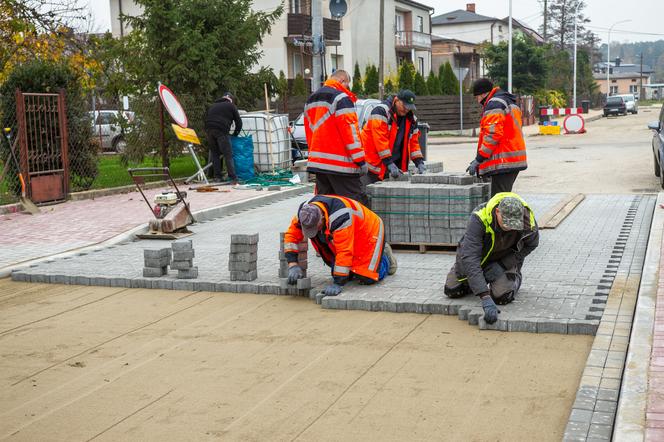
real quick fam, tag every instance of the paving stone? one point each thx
(606, 406)
(183, 255)
(183, 284)
(182, 265)
(545, 325)
(243, 257)
(239, 266)
(283, 283)
(244, 248)
(600, 431)
(522, 325)
(244, 239)
(157, 262)
(156, 253)
(500, 325)
(244, 276)
(182, 245)
(580, 416)
(190, 273)
(304, 283)
(582, 327)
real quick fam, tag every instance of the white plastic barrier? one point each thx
(272, 147)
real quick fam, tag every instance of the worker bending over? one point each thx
(349, 237)
(391, 138)
(499, 236)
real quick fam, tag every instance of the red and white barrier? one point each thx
(562, 111)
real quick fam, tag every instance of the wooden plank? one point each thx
(417, 247)
(560, 211)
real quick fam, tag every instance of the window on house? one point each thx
(633, 88)
(500, 28)
(420, 65)
(420, 24)
(633, 80)
(398, 23)
(614, 90)
(296, 6)
(337, 62)
(614, 81)
(297, 64)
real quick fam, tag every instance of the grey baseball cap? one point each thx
(408, 98)
(309, 216)
(511, 210)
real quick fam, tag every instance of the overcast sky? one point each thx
(645, 15)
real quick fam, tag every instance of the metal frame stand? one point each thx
(199, 176)
(139, 175)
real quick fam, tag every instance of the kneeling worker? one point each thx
(349, 237)
(499, 236)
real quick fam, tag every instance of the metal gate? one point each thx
(42, 131)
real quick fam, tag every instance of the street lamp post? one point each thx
(608, 57)
(576, 13)
(509, 51)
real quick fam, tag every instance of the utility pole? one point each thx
(641, 95)
(318, 44)
(509, 53)
(546, 15)
(381, 50)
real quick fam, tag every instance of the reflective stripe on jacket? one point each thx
(351, 239)
(476, 246)
(379, 134)
(333, 136)
(501, 147)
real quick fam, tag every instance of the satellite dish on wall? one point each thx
(338, 8)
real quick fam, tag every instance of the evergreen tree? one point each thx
(433, 85)
(407, 76)
(531, 74)
(371, 80)
(449, 85)
(389, 86)
(357, 81)
(420, 85)
(299, 86)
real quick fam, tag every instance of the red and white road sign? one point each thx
(173, 106)
(574, 124)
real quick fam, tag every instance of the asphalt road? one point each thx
(614, 156)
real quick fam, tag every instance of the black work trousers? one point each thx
(219, 144)
(349, 186)
(502, 182)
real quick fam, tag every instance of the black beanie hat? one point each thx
(482, 85)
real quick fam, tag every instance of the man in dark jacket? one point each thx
(501, 150)
(499, 236)
(218, 120)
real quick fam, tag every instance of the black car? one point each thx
(615, 106)
(658, 146)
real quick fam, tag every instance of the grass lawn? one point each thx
(113, 174)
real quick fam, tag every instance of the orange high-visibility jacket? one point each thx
(378, 137)
(351, 239)
(501, 147)
(333, 136)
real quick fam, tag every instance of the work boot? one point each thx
(390, 256)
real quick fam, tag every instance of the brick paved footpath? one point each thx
(76, 224)
(566, 280)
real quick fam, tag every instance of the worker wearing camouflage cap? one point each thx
(499, 236)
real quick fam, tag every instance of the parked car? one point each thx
(615, 105)
(631, 103)
(658, 146)
(107, 126)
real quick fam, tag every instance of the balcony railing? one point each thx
(412, 40)
(300, 24)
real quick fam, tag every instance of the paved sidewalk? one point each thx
(75, 224)
(566, 280)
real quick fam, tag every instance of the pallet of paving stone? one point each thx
(411, 247)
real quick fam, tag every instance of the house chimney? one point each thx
(617, 61)
(470, 7)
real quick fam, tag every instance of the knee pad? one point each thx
(456, 292)
(504, 299)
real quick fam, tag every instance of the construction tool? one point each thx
(27, 204)
(171, 211)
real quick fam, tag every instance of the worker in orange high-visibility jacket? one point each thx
(333, 136)
(391, 138)
(501, 150)
(348, 236)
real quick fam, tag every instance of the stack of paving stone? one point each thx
(243, 257)
(427, 213)
(412, 171)
(156, 262)
(183, 259)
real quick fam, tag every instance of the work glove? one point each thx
(332, 290)
(394, 170)
(295, 273)
(490, 309)
(421, 168)
(364, 169)
(473, 168)
(493, 271)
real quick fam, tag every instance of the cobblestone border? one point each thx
(201, 215)
(594, 410)
(631, 411)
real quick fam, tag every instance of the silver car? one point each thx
(107, 127)
(631, 103)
